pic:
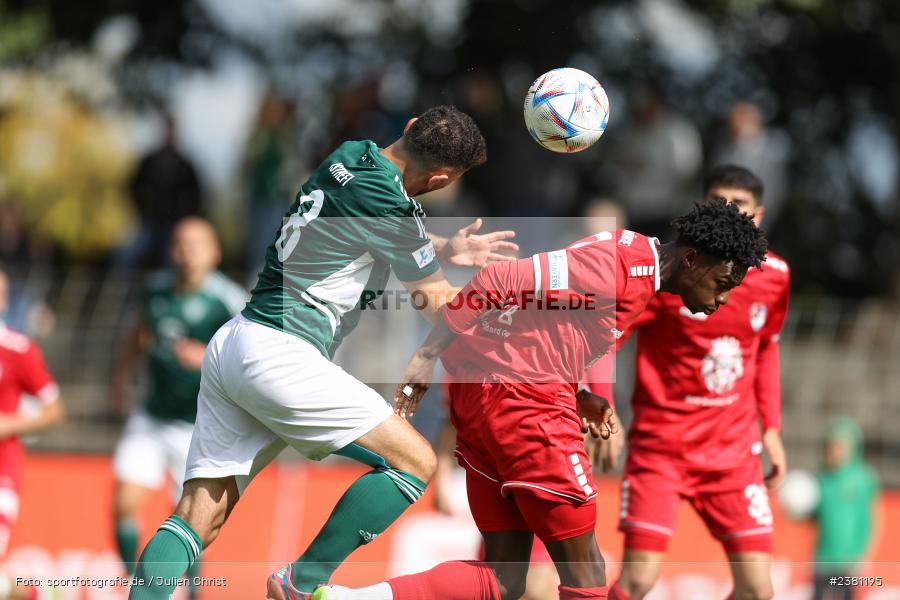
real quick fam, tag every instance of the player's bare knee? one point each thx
(636, 583)
(511, 588)
(761, 591)
(419, 460)
(205, 505)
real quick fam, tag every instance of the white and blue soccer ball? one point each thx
(566, 110)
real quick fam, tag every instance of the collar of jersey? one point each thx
(375, 153)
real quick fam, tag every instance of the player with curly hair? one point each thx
(517, 340)
(267, 378)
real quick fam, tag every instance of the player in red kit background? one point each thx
(702, 383)
(22, 371)
(518, 337)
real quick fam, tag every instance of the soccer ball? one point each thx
(798, 495)
(566, 110)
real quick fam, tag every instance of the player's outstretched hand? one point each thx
(775, 451)
(468, 249)
(597, 417)
(415, 382)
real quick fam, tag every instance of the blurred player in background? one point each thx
(519, 416)
(268, 379)
(181, 310)
(702, 381)
(848, 495)
(22, 371)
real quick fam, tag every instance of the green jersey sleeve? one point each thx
(400, 240)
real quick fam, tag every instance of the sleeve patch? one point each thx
(424, 255)
(559, 270)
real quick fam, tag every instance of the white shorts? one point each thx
(150, 448)
(262, 389)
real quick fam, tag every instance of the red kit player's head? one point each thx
(736, 185)
(716, 245)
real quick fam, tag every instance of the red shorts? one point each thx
(734, 504)
(523, 450)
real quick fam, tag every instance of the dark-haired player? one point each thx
(702, 381)
(517, 409)
(267, 379)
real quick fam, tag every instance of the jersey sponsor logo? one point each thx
(685, 312)
(642, 270)
(616, 333)
(340, 173)
(758, 315)
(424, 255)
(626, 238)
(559, 270)
(723, 365)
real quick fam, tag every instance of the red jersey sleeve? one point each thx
(490, 289)
(768, 361)
(34, 378)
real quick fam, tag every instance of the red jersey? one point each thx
(701, 381)
(543, 319)
(22, 371)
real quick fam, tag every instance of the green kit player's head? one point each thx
(437, 147)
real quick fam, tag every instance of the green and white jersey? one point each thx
(170, 315)
(351, 223)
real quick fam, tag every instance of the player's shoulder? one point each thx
(359, 169)
(638, 254)
(775, 270)
(14, 341)
(226, 291)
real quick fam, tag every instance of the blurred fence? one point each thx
(839, 357)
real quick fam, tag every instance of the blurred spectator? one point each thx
(750, 144)
(660, 155)
(603, 214)
(13, 245)
(165, 188)
(848, 491)
(268, 179)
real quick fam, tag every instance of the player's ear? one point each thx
(758, 214)
(690, 258)
(409, 124)
(438, 180)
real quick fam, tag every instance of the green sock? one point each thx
(174, 548)
(126, 542)
(366, 509)
(193, 572)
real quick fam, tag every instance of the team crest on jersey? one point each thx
(723, 366)
(758, 313)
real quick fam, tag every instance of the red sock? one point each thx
(571, 593)
(456, 580)
(617, 593)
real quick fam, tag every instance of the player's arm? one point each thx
(478, 296)
(431, 293)
(34, 379)
(48, 415)
(468, 249)
(136, 345)
(767, 388)
(419, 371)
